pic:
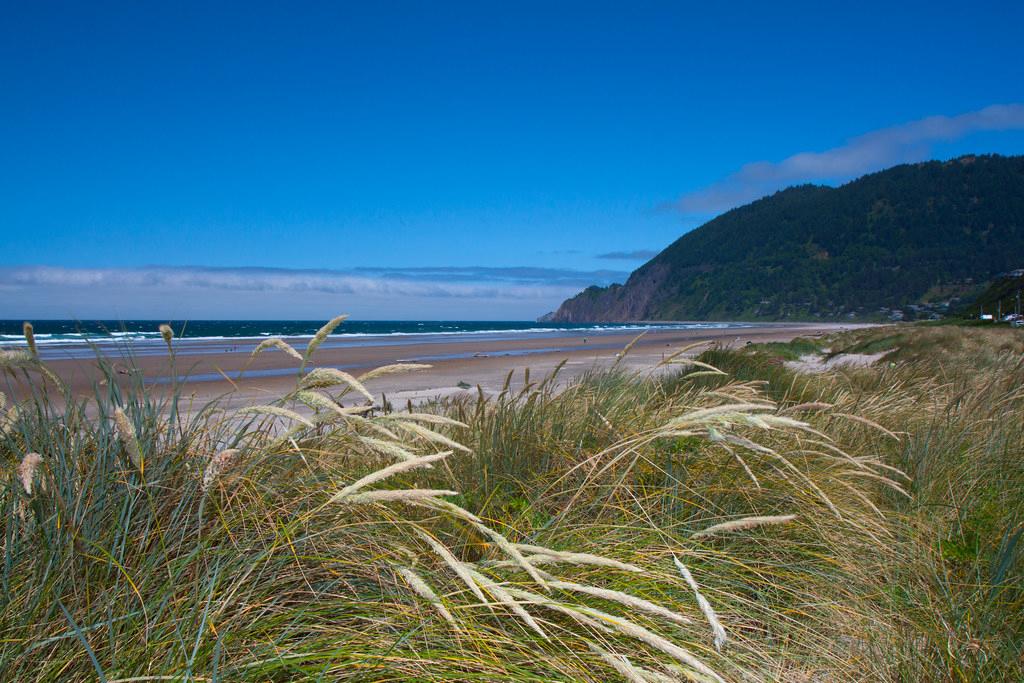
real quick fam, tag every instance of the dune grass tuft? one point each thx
(852, 525)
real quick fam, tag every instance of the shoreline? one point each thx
(237, 378)
(149, 342)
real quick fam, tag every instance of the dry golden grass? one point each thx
(541, 535)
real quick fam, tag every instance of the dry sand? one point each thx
(455, 364)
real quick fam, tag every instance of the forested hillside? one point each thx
(912, 238)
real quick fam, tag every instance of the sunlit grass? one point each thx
(854, 525)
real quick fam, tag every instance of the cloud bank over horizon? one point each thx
(187, 292)
(872, 151)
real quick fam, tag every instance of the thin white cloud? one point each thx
(473, 282)
(909, 142)
(275, 292)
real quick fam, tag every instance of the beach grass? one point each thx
(729, 519)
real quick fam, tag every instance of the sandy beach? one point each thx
(230, 371)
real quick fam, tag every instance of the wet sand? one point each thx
(219, 370)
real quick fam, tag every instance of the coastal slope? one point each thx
(915, 239)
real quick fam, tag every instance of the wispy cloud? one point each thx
(637, 255)
(472, 281)
(872, 151)
(275, 292)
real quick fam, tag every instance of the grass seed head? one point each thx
(423, 589)
(126, 431)
(218, 464)
(167, 333)
(742, 524)
(320, 336)
(30, 338)
(27, 470)
(7, 421)
(279, 344)
(716, 626)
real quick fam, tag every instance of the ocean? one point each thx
(71, 338)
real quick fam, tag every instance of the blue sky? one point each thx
(147, 150)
